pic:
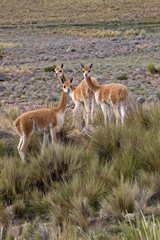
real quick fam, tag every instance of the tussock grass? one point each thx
(4, 45)
(143, 228)
(95, 32)
(75, 188)
(152, 69)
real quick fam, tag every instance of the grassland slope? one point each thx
(28, 11)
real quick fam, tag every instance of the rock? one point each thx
(141, 100)
(129, 216)
(89, 130)
(2, 77)
(2, 88)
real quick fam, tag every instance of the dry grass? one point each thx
(18, 12)
(4, 45)
(77, 189)
(94, 32)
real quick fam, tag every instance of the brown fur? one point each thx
(41, 119)
(112, 95)
(81, 95)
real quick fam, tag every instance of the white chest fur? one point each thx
(60, 121)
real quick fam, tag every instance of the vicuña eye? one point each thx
(64, 86)
(60, 71)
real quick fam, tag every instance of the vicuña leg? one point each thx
(75, 112)
(122, 111)
(25, 140)
(92, 109)
(87, 112)
(116, 112)
(109, 112)
(20, 142)
(104, 110)
(53, 133)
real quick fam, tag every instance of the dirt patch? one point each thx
(33, 49)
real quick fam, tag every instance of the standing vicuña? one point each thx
(111, 95)
(41, 119)
(81, 95)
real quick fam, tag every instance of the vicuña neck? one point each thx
(63, 77)
(63, 102)
(93, 87)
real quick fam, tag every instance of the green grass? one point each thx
(74, 188)
(151, 68)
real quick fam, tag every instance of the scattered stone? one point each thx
(2, 88)
(89, 130)
(129, 216)
(141, 100)
(2, 77)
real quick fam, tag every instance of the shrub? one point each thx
(6, 149)
(151, 68)
(49, 69)
(122, 77)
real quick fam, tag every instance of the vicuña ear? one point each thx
(62, 65)
(82, 65)
(91, 65)
(71, 80)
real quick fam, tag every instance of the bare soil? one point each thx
(25, 84)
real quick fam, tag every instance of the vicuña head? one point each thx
(42, 119)
(67, 85)
(59, 70)
(86, 70)
(111, 97)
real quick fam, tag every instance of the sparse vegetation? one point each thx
(104, 11)
(49, 69)
(123, 76)
(152, 69)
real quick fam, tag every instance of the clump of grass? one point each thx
(158, 95)
(128, 197)
(55, 165)
(123, 76)
(143, 228)
(49, 69)
(82, 32)
(121, 199)
(95, 32)
(13, 181)
(105, 141)
(134, 32)
(12, 113)
(6, 149)
(152, 69)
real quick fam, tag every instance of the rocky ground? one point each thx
(24, 83)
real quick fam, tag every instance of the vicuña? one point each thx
(111, 96)
(41, 119)
(81, 96)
